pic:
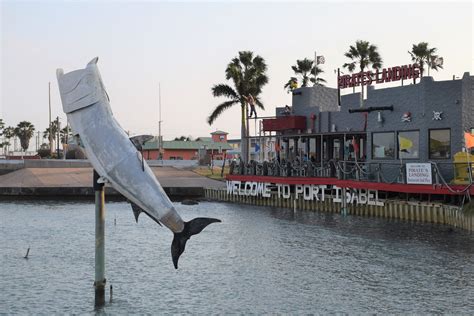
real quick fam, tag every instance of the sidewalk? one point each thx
(78, 181)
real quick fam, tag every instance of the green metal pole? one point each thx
(99, 283)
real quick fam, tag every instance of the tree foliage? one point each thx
(53, 129)
(184, 138)
(422, 55)
(247, 73)
(307, 72)
(364, 55)
(24, 131)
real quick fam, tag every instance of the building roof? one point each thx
(219, 133)
(190, 145)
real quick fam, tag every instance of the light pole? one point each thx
(58, 135)
(50, 123)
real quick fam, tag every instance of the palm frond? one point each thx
(219, 109)
(259, 104)
(224, 90)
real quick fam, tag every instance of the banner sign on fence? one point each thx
(309, 192)
(419, 173)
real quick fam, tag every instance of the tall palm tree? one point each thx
(247, 73)
(306, 71)
(53, 131)
(24, 131)
(65, 133)
(364, 55)
(8, 133)
(421, 54)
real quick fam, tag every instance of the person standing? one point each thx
(251, 101)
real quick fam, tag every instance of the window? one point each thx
(440, 143)
(383, 145)
(336, 149)
(409, 145)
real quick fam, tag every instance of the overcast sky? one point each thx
(186, 47)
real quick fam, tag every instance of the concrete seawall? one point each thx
(425, 212)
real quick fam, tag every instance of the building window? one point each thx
(383, 145)
(440, 143)
(409, 145)
(336, 154)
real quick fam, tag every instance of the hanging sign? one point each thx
(419, 173)
(367, 78)
(309, 192)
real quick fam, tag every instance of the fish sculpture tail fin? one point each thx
(193, 227)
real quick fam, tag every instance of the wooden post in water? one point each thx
(99, 281)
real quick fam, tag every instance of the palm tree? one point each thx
(247, 73)
(421, 54)
(364, 55)
(24, 131)
(9, 133)
(306, 71)
(53, 131)
(65, 133)
(2, 126)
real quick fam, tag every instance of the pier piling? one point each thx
(99, 283)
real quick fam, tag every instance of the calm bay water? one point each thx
(256, 261)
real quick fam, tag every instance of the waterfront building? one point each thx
(412, 141)
(410, 123)
(215, 146)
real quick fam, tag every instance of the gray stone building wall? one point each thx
(454, 98)
(468, 101)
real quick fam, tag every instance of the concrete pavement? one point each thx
(78, 182)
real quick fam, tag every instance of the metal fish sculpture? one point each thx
(115, 157)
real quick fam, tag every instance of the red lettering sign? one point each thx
(367, 78)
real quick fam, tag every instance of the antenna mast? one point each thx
(159, 122)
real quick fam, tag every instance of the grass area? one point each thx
(214, 173)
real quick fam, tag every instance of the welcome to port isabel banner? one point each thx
(309, 192)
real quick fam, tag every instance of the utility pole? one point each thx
(37, 141)
(159, 124)
(66, 139)
(50, 129)
(59, 136)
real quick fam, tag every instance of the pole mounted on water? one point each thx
(99, 281)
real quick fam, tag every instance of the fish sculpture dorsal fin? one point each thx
(137, 210)
(139, 140)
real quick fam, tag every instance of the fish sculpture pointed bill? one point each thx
(116, 158)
